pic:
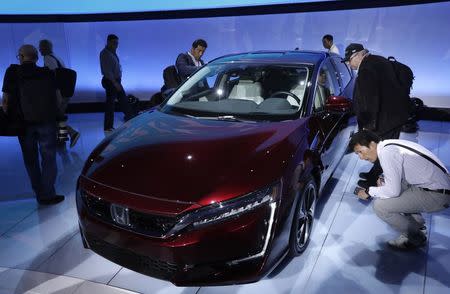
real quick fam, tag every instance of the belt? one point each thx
(440, 191)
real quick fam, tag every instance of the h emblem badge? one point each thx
(120, 215)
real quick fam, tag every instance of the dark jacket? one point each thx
(32, 91)
(379, 103)
(185, 65)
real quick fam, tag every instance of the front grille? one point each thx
(98, 207)
(152, 224)
(147, 224)
(143, 264)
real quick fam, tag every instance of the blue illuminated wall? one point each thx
(417, 35)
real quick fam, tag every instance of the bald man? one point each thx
(33, 89)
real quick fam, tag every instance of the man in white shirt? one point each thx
(50, 60)
(327, 42)
(415, 181)
(53, 62)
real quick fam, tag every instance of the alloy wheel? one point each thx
(305, 217)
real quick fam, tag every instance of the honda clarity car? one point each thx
(220, 182)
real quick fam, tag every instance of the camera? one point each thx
(62, 133)
(357, 189)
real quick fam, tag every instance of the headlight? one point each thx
(213, 216)
(221, 211)
(233, 208)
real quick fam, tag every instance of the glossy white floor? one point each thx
(41, 250)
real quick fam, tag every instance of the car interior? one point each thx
(245, 90)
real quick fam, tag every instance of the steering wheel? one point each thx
(273, 95)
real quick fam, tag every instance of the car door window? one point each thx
(326, 85)
(343, 71)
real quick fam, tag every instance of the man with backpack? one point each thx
(415, 181)
(53, 62)
(31, 90)
(380, 102)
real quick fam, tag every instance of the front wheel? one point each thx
(303, 220)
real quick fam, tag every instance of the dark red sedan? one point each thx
(220, 182)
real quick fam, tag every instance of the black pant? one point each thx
(40, 138)
(376, 169)
(112, 94)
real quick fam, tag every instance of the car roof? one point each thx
(286, 57)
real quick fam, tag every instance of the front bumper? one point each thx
(229, 252)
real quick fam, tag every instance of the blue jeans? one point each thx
(40, 139)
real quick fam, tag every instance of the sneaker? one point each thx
(405, 243)
(51, 201)
(108, 131)
(364, 176)
(366, 184)
(74, 139)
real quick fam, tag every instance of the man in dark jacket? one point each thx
(188, 62)
(32, 90)
(379, 103)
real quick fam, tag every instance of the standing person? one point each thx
(53, 62)
(33, 90)
(415, 181)
(188, 62)
(327, 42)
(112, 82)
(379, 102)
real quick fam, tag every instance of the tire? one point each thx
(303, 220)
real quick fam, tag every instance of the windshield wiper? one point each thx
(221, 117)
(228, 118)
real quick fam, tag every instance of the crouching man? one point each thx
(32, 89)
(414, 181)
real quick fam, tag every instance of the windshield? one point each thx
(243, 90)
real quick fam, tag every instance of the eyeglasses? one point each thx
(18, 56)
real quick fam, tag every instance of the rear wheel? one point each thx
(303, 220)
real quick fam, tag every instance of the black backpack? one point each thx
(134, 104)
(66, 79)
(171, 77)
(405, 75)
(37, 95)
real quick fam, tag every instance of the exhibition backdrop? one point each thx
(415, 34)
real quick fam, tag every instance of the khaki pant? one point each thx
(403, 213)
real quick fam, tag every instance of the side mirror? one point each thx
(338, 103)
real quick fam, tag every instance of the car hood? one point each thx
(179, 158)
